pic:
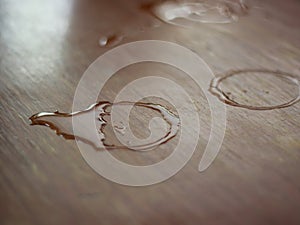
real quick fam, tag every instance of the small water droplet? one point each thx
(120, 128)
(110, 40)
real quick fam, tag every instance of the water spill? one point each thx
(188, 13)
(94, 117)
(281, 84)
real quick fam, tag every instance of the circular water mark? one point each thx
(104, 67)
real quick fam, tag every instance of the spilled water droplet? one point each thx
(188, 13)
(116, 38)
(61, 123)
(110, 40)
(120, 128)
(284, 89)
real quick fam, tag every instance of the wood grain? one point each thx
(45, 48)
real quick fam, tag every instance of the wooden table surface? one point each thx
(46, 46)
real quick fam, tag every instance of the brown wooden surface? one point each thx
(46, 46)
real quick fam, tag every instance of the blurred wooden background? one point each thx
(46, 46)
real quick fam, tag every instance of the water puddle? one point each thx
(94, 117)
(182, 14)
(257, 89)
(189, 13)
